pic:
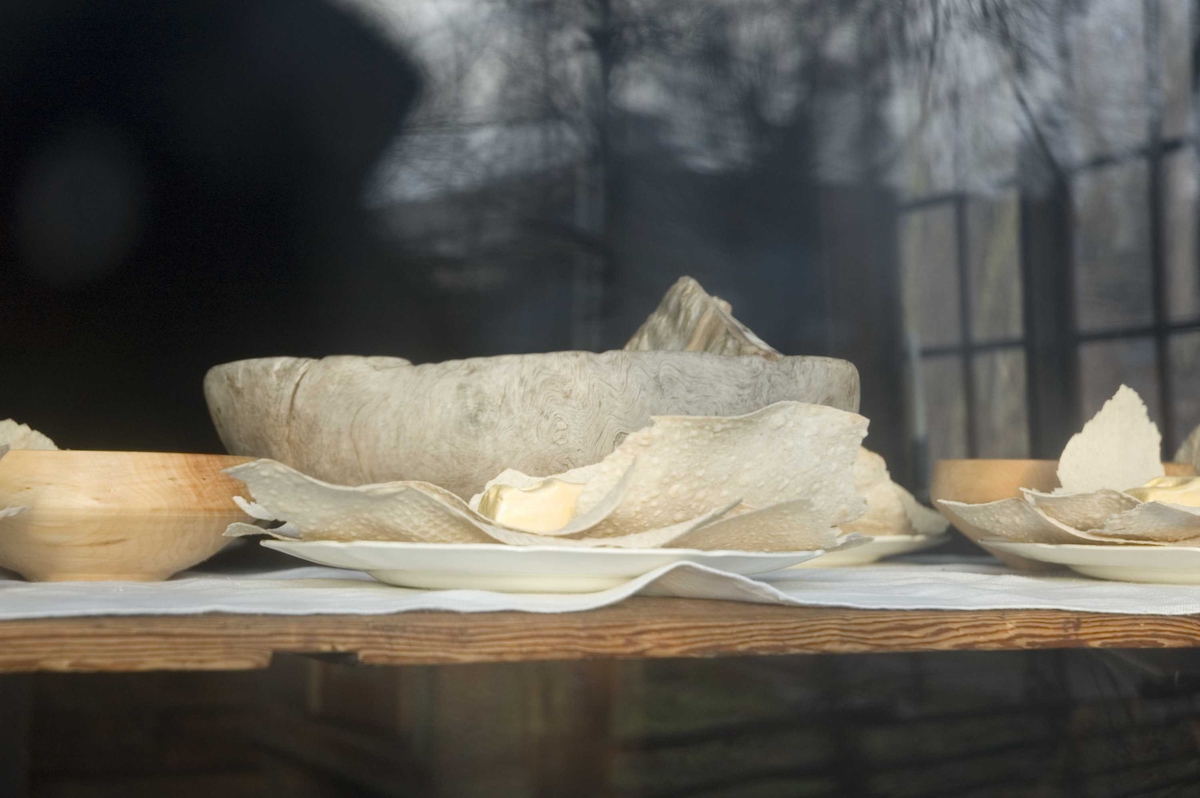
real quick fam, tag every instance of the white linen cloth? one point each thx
(929, 583)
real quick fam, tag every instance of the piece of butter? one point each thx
(546, 507)
(1184, 491)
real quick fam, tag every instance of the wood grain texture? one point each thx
(89, 515)
(357, 420)
(639, 627)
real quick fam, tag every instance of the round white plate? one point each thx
(874, 550)
(1130, 563)
(520, 569)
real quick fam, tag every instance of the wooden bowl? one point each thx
(139, 516)
(980, 481)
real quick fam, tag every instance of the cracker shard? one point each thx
(406, 511)
(1189, 450)
(402, 512)
(1084, 511)
(1016, 520)
(886, 514)
(20, 436)
(891, 510)
(924, 520)
(690, 319)
(1119, 448)
(1154, 522)
(687, 464)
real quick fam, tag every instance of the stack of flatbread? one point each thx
(1113, 490)
(789, 477)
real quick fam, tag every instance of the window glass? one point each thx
(1184, 351)
(1105, 365)
(1108, 84)
(1179, 235)
(994, 232)
(1001, 416)
(946, 406)
(1175, 57)
(1112, 252)
(930, 275)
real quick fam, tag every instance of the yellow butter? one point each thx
(1184, 491)
(546, 507)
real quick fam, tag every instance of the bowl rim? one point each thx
(123, 453)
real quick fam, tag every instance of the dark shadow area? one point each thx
(1046, 724)
(178, 183)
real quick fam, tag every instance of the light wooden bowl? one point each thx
(139, 516)
(980, 481)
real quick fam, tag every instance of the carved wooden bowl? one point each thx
(139, 516)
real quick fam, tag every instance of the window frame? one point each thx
(1051, 339)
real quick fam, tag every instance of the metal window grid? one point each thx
(1159, 331)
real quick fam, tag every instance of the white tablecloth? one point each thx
(926, 583)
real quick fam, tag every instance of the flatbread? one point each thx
(1119, 448)
(1016, 520)
(385, 510)
(1154, 523)
(924, 521)
(317, 510)
(403, 512)
(1084, 511)
(671, 536)
(20, 436)
(782, 527)
(885, 513)
(1189, 450)
(685, 465)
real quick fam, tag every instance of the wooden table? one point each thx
(638, 627)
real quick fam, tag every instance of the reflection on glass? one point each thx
(1105, 365)
(1179, 235)
(994, 231)
(1001, 419)
(930, 275)
(1176, 58)
(1112, 237)
(1184, 352)
(946, 406)
(1108, 80)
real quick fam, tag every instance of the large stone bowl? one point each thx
(356, 420)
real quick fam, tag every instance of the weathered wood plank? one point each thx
(640, 627)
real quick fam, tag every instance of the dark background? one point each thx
(176, 181)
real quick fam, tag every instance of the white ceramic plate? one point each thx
(1163, 564)
(874, 550)
(520, 569)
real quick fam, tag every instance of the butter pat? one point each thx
(545, 507)
(1184, 491)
